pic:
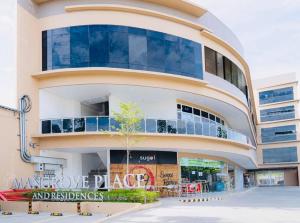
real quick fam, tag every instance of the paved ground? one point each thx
(45, 218)
(259, 205)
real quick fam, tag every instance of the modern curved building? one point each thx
(77, 60)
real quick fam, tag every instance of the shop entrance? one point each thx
(209, 175)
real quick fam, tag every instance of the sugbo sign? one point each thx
(78, 182)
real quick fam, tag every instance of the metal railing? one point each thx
(201, 126)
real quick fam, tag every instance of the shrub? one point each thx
(120, 195)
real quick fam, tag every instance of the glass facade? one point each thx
(120, 47)
(211, 174)
(221, 66)
(270, 178)
(274, 114)
(200, 121)
(276, 95)
(277, 134)
(280, 155)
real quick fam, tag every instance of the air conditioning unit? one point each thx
(39, 167)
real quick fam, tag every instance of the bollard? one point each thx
(78, 207)
(30, 206)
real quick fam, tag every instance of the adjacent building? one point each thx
(278, 123)
(77, 60)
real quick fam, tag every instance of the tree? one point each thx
(128, 124)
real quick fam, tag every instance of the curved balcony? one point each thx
(201, 126)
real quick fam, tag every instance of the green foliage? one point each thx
(134, 196)
(129, 119)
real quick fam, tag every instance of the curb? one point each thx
(139, 208)
(206, 199)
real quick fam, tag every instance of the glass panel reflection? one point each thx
(79, 125)
(171, 127)
(161, 126)
(151, 125)
(46, 127)
(56, 126)
(103, 123)
(91, 124)
(181, 127)
(114, 125)
(68, 125)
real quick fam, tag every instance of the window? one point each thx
(276, 95)
(193, 115)
(210, 61)
(217, 64)
(196, 111)
(204, 114)
(79, 44)
(187, 109)
(120, 47)
(60, 47)
(220, 65)
(235, 74)
(280, 155)
(227, 70)
(276, 134)
(281, 113)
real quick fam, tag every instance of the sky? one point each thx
(269, 31)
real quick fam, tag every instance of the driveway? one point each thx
(259, 205)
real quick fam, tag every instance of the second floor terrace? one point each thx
(104, 124)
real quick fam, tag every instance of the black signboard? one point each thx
(143, 157)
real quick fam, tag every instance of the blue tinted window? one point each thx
(79, 39)
(280, 155)
(277, 95)
(120, 47)
(156, 51)
(137, 50)
(187, 58)
(276, 134)
(172, 52)
(273, 114)
(60, 48)
(98, 45)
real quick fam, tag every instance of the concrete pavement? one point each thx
(259, 205)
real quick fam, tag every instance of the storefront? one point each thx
(277, 177)
(212, 175)
(158, 169)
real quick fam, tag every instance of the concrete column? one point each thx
(238, 178)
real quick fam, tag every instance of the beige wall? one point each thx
(11, 164)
